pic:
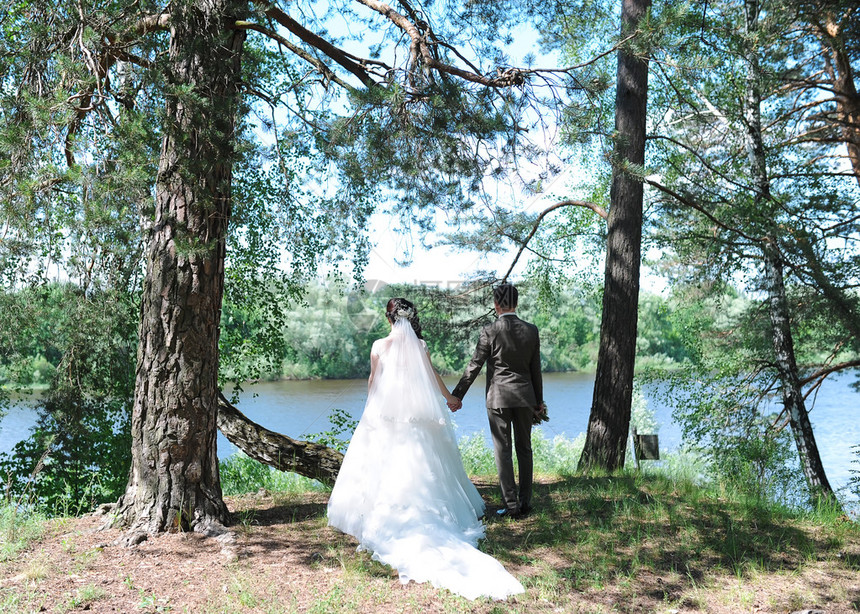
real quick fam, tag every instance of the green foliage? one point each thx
(330, 335)
(58, 334)
(684, 466)
(77, 455)
(281, 230)
(659, 336)
(760, 473)
(27, 336)
(724, 402)
(569, 326)
(477, 455)
(19, 526)
(557, 456)
(579, 31)
(726, 397)
(241, 474)
(342, 423)
(762, 464)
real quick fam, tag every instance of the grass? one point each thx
(640, 538)
(84, 598)
(650, 541)
(241, 474)
(614, 527)
(18, 527)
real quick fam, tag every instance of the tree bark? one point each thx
(609, 421)
(839, 70)
(306, 458)
(792, 394)
(174, 482)
(782, 339)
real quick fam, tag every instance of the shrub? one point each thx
(241, 474)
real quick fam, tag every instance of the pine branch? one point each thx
(565, 203)
(321, 67)
(317, 42)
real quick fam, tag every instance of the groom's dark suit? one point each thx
(511, 348)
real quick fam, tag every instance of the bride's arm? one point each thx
(442, 387)
(374, 360)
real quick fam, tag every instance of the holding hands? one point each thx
(454, 403)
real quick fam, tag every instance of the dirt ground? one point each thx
(283, 558)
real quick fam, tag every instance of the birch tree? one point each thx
(757, 190)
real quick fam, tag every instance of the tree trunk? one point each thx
(782, 339)
(609, 421)
(306, 458)
(174, 482)
(792, 394)
(841, 74)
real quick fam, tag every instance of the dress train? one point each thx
(402, 491)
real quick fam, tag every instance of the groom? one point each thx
(511, 349)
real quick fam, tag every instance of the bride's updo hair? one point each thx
(401, 309)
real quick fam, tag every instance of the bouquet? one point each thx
(540, 414)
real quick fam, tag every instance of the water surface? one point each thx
(301, 408)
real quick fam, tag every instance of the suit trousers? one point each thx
(501, 421)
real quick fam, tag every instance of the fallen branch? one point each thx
(312, 460)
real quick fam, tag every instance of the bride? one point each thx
(402, 491)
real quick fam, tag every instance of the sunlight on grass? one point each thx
(333, 601)
(36, 570)
(246, 591)
(655, 538)
(12, 603)
(546, 584)
(241, 474)
(740, 596)
(18, 527)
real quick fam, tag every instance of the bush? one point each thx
(762, 465)
(556, 456)
(241, 474)
(18, 527)
(83, 344)
(477, 455)
(342, 424)
(76, 457)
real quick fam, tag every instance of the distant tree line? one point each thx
(329, 336)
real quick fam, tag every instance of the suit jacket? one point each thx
(511, 349)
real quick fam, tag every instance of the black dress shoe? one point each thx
(508, 513)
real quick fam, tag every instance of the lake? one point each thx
(301, 408)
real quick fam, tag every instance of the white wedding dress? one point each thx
(402, 490)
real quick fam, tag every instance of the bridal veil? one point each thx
(402, 490)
